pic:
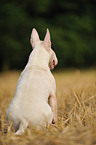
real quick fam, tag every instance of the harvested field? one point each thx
(76, 97)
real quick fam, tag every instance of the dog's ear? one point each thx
(34, 38)
(47, 41)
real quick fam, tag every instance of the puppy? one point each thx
(35, 87)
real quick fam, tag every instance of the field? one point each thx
(76, 96)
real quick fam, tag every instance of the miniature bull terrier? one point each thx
(36, 85)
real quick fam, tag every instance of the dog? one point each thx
(35, 96)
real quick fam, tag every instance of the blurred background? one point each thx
(72, 25)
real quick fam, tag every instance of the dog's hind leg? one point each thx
(22, 127)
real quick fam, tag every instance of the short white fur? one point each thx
(35, 86)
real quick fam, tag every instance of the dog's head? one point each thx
(47, 45)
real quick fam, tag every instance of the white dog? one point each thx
(35, 86)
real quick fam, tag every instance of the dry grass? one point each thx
(76, 95)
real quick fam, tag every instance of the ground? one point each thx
(76, 97)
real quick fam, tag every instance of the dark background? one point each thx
(72, 25)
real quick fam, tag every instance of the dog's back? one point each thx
(31, 97)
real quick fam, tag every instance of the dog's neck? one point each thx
(39, 58)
